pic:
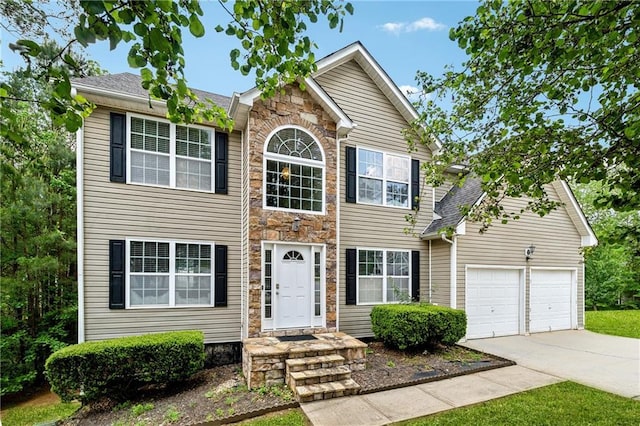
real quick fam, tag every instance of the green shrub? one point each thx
(118, 367)
(416, 325)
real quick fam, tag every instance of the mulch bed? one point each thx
(219, 395)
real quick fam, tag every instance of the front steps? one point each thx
(315, 369)
(315, 378)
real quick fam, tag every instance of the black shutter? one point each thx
(415, 184)
(220, 293)
(118, 163)
(222, 162)
(351, 175)
(351, 276)
(415, 275)
(116, 274)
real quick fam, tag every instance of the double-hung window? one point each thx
(169, 273)
(171, 155)
(383, 178)
(383, 276)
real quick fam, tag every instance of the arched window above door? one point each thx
(294, 171)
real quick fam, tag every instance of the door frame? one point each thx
(270, 324)
(574, 292)
(522, 270)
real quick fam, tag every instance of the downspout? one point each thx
(80, 227)
(429, 271)
(453, 273)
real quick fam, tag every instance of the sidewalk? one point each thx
(395, 405)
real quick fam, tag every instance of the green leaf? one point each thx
(195, 26)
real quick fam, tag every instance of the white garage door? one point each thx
(551, 300)
(493, 302)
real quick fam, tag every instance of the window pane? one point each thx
(295, 143)
(192, 290)
(291, 185)
(370, 290)
(193, 174)
(370, 190)
(397, 168)
(369, 163)
(151, 169)
(397, 194)
(370, 262)
(397, 289)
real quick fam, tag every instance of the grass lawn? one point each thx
(565, 403)
(31, 415)
(616, 323)
(294, 417)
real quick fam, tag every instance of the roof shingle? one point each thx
(449, 207)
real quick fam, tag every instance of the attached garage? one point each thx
(552, 299)
(494, 296)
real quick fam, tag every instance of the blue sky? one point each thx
(404, 37)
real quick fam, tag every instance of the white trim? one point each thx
(522, 289)
(172, 153)
(590, 239)
(574, 290)
(172, 274)
(383, 179)
(80, 228)
(296, 160)
(383, 276)
(118, 95)
(453, 273)
(338, 273)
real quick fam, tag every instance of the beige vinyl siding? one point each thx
(440, 272)
(379, 127)
(245, 233)
(121, 211)
(555, 237)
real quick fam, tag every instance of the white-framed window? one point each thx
(169, 273)
(383, 276)
(294, 171)
(383, 178)
(161, 153)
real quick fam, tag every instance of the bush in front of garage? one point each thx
(116, 368)
(417, 325)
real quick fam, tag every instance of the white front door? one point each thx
(293, 286)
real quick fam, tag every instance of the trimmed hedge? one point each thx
(416, 325)
(118, 367)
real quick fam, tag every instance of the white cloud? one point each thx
(426, 23)
(412, 93)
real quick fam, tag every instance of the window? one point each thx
(383, 178)
(383, 276)
(294, 171)
(169, 273)
(171, 155)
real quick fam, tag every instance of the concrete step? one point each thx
(318, 375)
(313, 362)
(308, 393)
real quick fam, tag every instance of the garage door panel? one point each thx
(551, 302)
(493, 302)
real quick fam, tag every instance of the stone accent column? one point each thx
(294, 107)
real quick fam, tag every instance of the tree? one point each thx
(549, 91)
(38, 295)
(271, 33)
(612, 269)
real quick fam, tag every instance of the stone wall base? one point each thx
(216, 354)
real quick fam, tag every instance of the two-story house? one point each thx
(293, 223)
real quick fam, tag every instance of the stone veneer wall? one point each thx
(294, 107)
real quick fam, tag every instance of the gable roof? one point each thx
(449, 207)
(470, 193)
(130, 86)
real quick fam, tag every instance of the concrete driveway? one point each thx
(605, 362)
